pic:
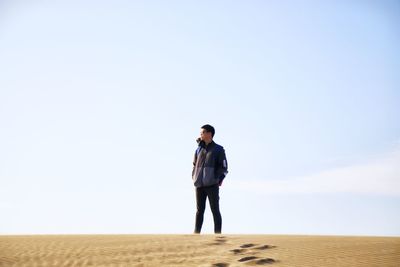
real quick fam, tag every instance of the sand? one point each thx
(198, 250)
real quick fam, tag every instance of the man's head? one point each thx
(207, 133)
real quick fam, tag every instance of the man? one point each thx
(209, 170)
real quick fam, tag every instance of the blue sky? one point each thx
(101, 103)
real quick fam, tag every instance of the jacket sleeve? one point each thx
(194, 161)
(222, 165)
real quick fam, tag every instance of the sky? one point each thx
(101, 103)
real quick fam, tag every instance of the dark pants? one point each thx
(212, 192)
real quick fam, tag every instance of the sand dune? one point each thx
(198, 250)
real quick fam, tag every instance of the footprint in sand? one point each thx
(247, 258)
(247, 245)
(258, 262)
(238, 250)
(265, 247)
(243, 249)
(244, 246)
(219, 240)
(265, 261)
(249, 248)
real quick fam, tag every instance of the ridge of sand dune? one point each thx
(197, 250)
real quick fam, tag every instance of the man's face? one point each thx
(204, 135)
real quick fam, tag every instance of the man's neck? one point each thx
(208, 142)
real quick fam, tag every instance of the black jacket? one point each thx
(209, 164)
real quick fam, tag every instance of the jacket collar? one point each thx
(209, 144)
